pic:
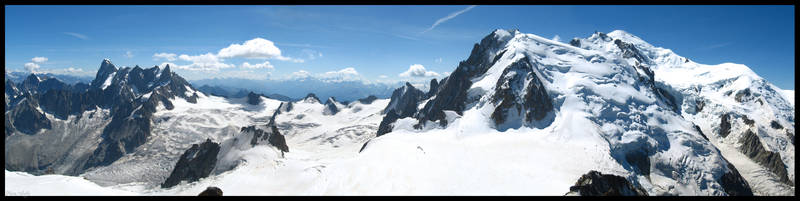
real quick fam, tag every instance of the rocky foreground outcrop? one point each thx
(597, 184)
(196, 163)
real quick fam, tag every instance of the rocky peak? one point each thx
(253, 98)
(106, 68)
(331, 107)
(31, 83)
(433, 87)
(311, 98)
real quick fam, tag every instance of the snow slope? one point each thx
(176, 130)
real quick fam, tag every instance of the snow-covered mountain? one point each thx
(73, 128)
(523, 115)
(633, 101)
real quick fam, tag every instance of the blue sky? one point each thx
(371, 42)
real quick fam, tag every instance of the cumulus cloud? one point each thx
(39, 59)
(266, 65)
(32, 67)
(417, 70)
(165, 56)
(557, 38)
(257, 48)
(206, 62)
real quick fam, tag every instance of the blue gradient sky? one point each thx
(378, 42)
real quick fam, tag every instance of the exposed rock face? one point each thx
(433, 88)
(697, 128)
(513, 101)
(106, 69)
(403, 104)
(597, 184)
(196, 163)
(270, 135)
(385, 125)
(131, 95)
(330, 107)
(734, 184)
(285, 107)
(211, 191)
(311, 98)
(725, 125)
(774, 124)
(26, 118)
(253, 98)
(752, 147)
(368, 100)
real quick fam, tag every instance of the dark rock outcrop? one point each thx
(311, 98)
(754, 149)
(535, 102)
(196, 163)
(433, 88)
(774, 124)
(733, 183)
(253, 98)
(697, 128)
(630, 50)
(575, 42)
(597, 184)
(724, 125)
(211, 191)
(403, 104)
(743, 95)
(25, 117)
(271, 135)
(368, 100)
(330, 107)
(747, 120)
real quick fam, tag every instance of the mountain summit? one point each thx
(624, 92)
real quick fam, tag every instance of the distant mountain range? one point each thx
(296, 89)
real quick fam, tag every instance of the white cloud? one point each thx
(77, 35)
(266, 65)
(282, 58)
(128, 54)
(257, 48)
(448, 17)
(39, 59)
(346, 74)
(32, 67)
(438, 60)
(69, 71)
(417, 70)
(383, 76)
(300, 74)
(557, 38)
(205, 62)
(165, 56)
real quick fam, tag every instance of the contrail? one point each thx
(448, 17)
